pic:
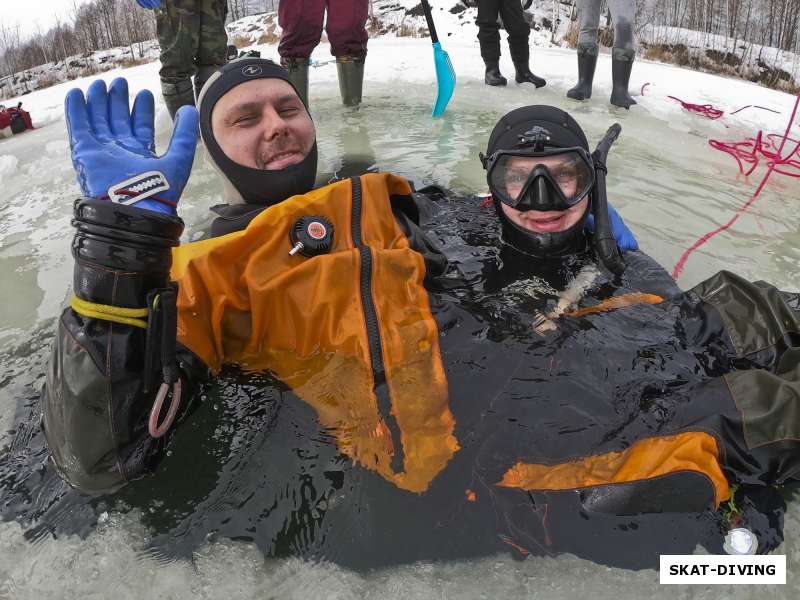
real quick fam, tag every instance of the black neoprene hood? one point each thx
(255, 186)
(563, 130)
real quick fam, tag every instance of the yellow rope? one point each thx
(127, 316)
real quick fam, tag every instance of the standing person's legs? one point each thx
(213, 46)
(348, 36)
(346, 27)
(489, 39)
(178, 27)
(301, 22)
(518, 34)
(623, 14)
(589, 23)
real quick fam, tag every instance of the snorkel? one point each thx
(604, 243)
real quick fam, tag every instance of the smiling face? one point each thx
(550, 221)
(262, 124)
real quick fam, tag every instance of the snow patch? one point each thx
(8, 164)
(57, 147)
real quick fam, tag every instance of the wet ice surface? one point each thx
(111, 564)
(666, 181)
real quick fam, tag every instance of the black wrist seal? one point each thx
(121, 252)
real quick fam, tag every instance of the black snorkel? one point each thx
(604, 243)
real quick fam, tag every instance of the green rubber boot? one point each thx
(351, 79)
(177, 95)
(298, 74)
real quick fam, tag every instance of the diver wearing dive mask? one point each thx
(544, 180)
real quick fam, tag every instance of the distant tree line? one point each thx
(95, 25)
(765, 22)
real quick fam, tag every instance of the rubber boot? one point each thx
(203, 74)
(587, 61)
(524, 75)
(351, 79)
(621, 65)
(493, 74)
(298, 75)
(177, 95)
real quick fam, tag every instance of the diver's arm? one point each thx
(644, 274)
(408, 211)
(115, 345)
(106, 367)
(624, 237)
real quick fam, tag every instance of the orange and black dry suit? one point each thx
(457, 437)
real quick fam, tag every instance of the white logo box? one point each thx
(742, 570)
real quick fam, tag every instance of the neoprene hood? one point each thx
(245, 184)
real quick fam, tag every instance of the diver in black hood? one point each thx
(549, 193)
(260, 137)
(541, 176)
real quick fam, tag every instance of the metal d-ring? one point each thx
(156, 430)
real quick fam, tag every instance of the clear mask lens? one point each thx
(569, 171)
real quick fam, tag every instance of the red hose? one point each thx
(748, 152)
(704, 110)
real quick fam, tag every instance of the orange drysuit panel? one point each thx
(646, 459)
(244, 300)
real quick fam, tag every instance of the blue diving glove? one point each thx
(624, 236)
(149, 3)
(113, 150)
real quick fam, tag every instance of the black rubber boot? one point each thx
(587, 61)
(298, 75)
(493, 74)
(200, 78)
(524, 75)
(621, 65)
(351, 79)
(177, 95)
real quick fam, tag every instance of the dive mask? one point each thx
(540, 179)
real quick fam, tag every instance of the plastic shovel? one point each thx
(445, 75)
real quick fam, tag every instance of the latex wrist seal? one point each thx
(121, 252)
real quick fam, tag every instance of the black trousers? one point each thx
(489, 30)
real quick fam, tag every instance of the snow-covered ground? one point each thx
(76, 67)
(754, 61)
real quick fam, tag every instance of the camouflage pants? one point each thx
(192, 35)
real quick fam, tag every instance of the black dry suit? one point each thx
(369, 406)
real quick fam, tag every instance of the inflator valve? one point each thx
(311, 236)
